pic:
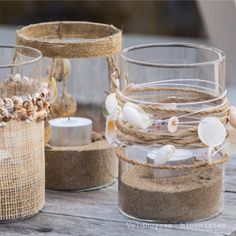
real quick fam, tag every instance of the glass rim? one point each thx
(220, 55)
(222, 94)
(38, 56)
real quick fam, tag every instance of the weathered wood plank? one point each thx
(54, 225)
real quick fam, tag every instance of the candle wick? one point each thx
(69, 118)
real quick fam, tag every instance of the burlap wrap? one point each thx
(22, 169)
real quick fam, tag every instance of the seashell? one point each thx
(211, 131)
(6, 118)
(161, 155)
(22, 114)
(17, 78)
(135, 116)
(18, 101)
(112, 105)
(39, 103)
(117, 83)
(4, 111)
(110, 132)
(8, 103)
(64, 106)
(172, 124)
(230, 144)
(61, 70)
(232, 116)
(26, 80)
(1, 102)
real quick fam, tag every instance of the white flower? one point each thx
(112, 105)
(135, 116)
(161, 155)
(172, 125)
(110, 132)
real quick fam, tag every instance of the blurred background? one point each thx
(211, 22)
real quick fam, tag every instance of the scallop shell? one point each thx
(112, 105)
(232, 116)
(110, 132)
(172, 125)
(211, 131)
(162, 155)
(135, 116)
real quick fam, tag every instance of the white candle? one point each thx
(70, 131)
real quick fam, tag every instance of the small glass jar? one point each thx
(171, 166)
(23, 107)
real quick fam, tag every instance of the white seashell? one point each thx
(161, 155)
(211, 131)
(230, 144)
(232, 116)
(25, 80)
(17, 78)
(112, 105)
(172, 124)
(8, 103)
(135, 116)
(110, 132)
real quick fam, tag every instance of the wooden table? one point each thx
(96, 213)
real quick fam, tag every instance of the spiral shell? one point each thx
(8, 104)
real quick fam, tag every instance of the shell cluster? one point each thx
(24, 109)
(18, 79)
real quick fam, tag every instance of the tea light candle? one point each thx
(70, 131)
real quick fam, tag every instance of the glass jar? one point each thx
(23, 107)
(170, 132)
(79, 64)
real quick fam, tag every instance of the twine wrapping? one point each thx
(185, 136)
(71, 39)
(22, 169)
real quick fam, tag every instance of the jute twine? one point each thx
(195, 164)
(22, 169)
(71, 39)
(186, 137)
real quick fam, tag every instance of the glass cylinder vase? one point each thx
(23, 107)
(170, 125)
